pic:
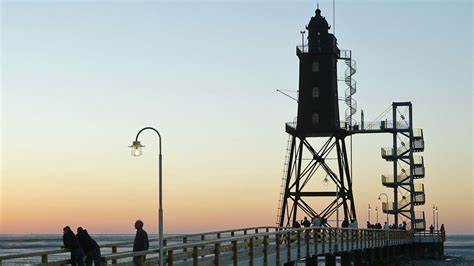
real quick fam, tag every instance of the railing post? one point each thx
(185, 240)
(288, 246)
(217, 251)
(265, 250)
(323, 240)
(251, 251)
(195, 256)
(352, 238)
(277, 249)
(44, 258)
(114, 250)
(347, 239)
(298, 244)
(170, 257)
(203, 237)
(315, 236)
(234, 253)
(330, 240)
(306, 232)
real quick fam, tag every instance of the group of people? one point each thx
(320, 221)
(316, 221)
(441, 229)
(386, 226)
(83, 245)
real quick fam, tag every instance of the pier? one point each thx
(269, 246)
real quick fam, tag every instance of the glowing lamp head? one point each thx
(136, 148)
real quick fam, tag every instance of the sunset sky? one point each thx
(79, 79)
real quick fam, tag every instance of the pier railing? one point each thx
(45, 255)
(272, 248)
(256, 245)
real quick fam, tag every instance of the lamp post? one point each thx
(434, 208)
(377, 213)
(137, 151)
(369, 212)
(436, 211)
(380, 199)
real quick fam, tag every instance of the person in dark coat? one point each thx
(296, 224)
(140, 243)
(89, 246)
(306, 222)
(70, 243)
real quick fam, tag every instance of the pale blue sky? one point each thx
(84, 76)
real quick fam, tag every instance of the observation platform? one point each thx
(266, 246)
(367, 128)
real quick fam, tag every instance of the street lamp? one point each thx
(369, 212)
(380, 199)
(377, 213)
(136, 148)
(436, 210)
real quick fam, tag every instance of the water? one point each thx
(458, 248)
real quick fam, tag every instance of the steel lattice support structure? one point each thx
(301, 170)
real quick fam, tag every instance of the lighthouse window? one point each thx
(315, 118)
(315, 92)
(316, 66)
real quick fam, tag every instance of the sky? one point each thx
(80, 78)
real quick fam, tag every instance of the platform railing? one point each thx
(278, 246)
(182, 238)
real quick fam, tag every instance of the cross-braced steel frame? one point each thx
(300, 171)
(403, 149)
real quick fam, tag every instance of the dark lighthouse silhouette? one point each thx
(318, 109)
(318, 116)
(317, 143)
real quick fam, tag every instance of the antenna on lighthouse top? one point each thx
(317, 5)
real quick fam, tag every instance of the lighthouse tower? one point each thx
(310, 167)
(318, 110)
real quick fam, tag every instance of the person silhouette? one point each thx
(89, 246)
(140, 243)
(71, 243)
(306, 222)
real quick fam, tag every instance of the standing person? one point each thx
(443, 232)
(70, 243)
(296, 224)
(140, 243)
(386, 226)
(306, 222)
(89, 246)
(317, 221)
(431, 229)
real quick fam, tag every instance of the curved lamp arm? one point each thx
(153, 129)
